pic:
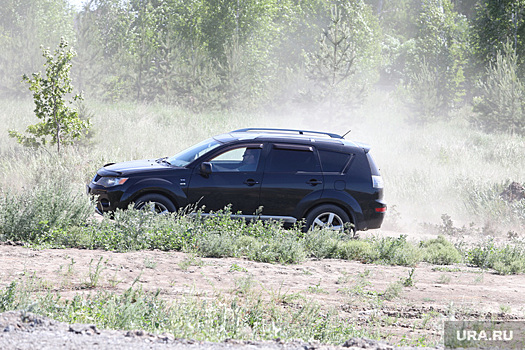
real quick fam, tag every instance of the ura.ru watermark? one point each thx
(505, 335)
(484, 334)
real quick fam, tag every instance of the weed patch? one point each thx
(244, 316)
(439, 251)
(504, 259)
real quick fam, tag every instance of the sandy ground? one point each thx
(354, 289)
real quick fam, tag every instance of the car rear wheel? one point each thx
(327, 216)
(155, 202)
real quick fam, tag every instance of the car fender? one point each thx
(340, 198)
(156, 185)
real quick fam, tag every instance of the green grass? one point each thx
(445, 167)
(57, 217)
(242, 316)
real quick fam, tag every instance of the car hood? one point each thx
(132, 167)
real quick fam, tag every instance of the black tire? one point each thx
(160, 204)
(327, 216)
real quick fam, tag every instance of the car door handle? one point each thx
(314, 182)
(251, 182)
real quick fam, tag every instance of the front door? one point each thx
(235, 180)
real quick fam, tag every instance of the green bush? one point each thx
(357, 250)
(322, 243)
(217, 246)
(500, 106)
(35, 212)
(397, 251)
(505, 259)
(440, 251)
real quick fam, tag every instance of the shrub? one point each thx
(397, 251)
(506, 259)
(500, 107)
(32, 214)
(440, 251)
(427, 103)
(322, 243)
(217, 246)
(357, 250)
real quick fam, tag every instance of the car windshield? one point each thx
(190, 154)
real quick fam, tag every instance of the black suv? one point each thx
(291, 174)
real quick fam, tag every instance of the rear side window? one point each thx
(334, 162)
(292, 160)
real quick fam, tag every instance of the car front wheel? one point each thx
(155, 202)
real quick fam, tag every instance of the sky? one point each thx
(77, 3)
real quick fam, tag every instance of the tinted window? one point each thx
(188, 155)
(333, 162)
(291, 161)
(237, 159)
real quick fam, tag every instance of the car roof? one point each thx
(329, 140)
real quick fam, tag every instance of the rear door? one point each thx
(291, 173)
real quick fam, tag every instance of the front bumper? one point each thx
(106, 200)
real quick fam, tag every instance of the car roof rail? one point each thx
(301, 132)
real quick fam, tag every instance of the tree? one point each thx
(501, 106)
(334, 62)
(24, 25)
(347, 53)
(497, 22)
(439, 59)
(59, 122)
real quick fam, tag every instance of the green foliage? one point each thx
(59, 122)
(8, 298)
(24, 26)
(244, 318)
(484, 198)
(51, 215)
(347, 49)
(505, 259)
(500, 106)
(437, 69)
(439, 251)
(495, 24)
(221, 54)
(199, 54)
(36, 213)
(322, 243)
(357, 250)
(397, 251)
(428, 102)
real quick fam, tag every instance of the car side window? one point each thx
(237, 159)
(282, 160)
(334, 162)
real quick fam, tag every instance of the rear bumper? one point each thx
(375, 214)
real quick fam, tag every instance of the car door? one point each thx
(235, 179)
(292, 172)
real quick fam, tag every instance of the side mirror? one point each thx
(206, 169)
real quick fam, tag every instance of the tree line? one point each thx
(251, 54)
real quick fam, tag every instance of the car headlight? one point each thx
(111, 181)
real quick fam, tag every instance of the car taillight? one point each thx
(377, 181)
(381, 210)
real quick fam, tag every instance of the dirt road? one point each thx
(406, 303)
